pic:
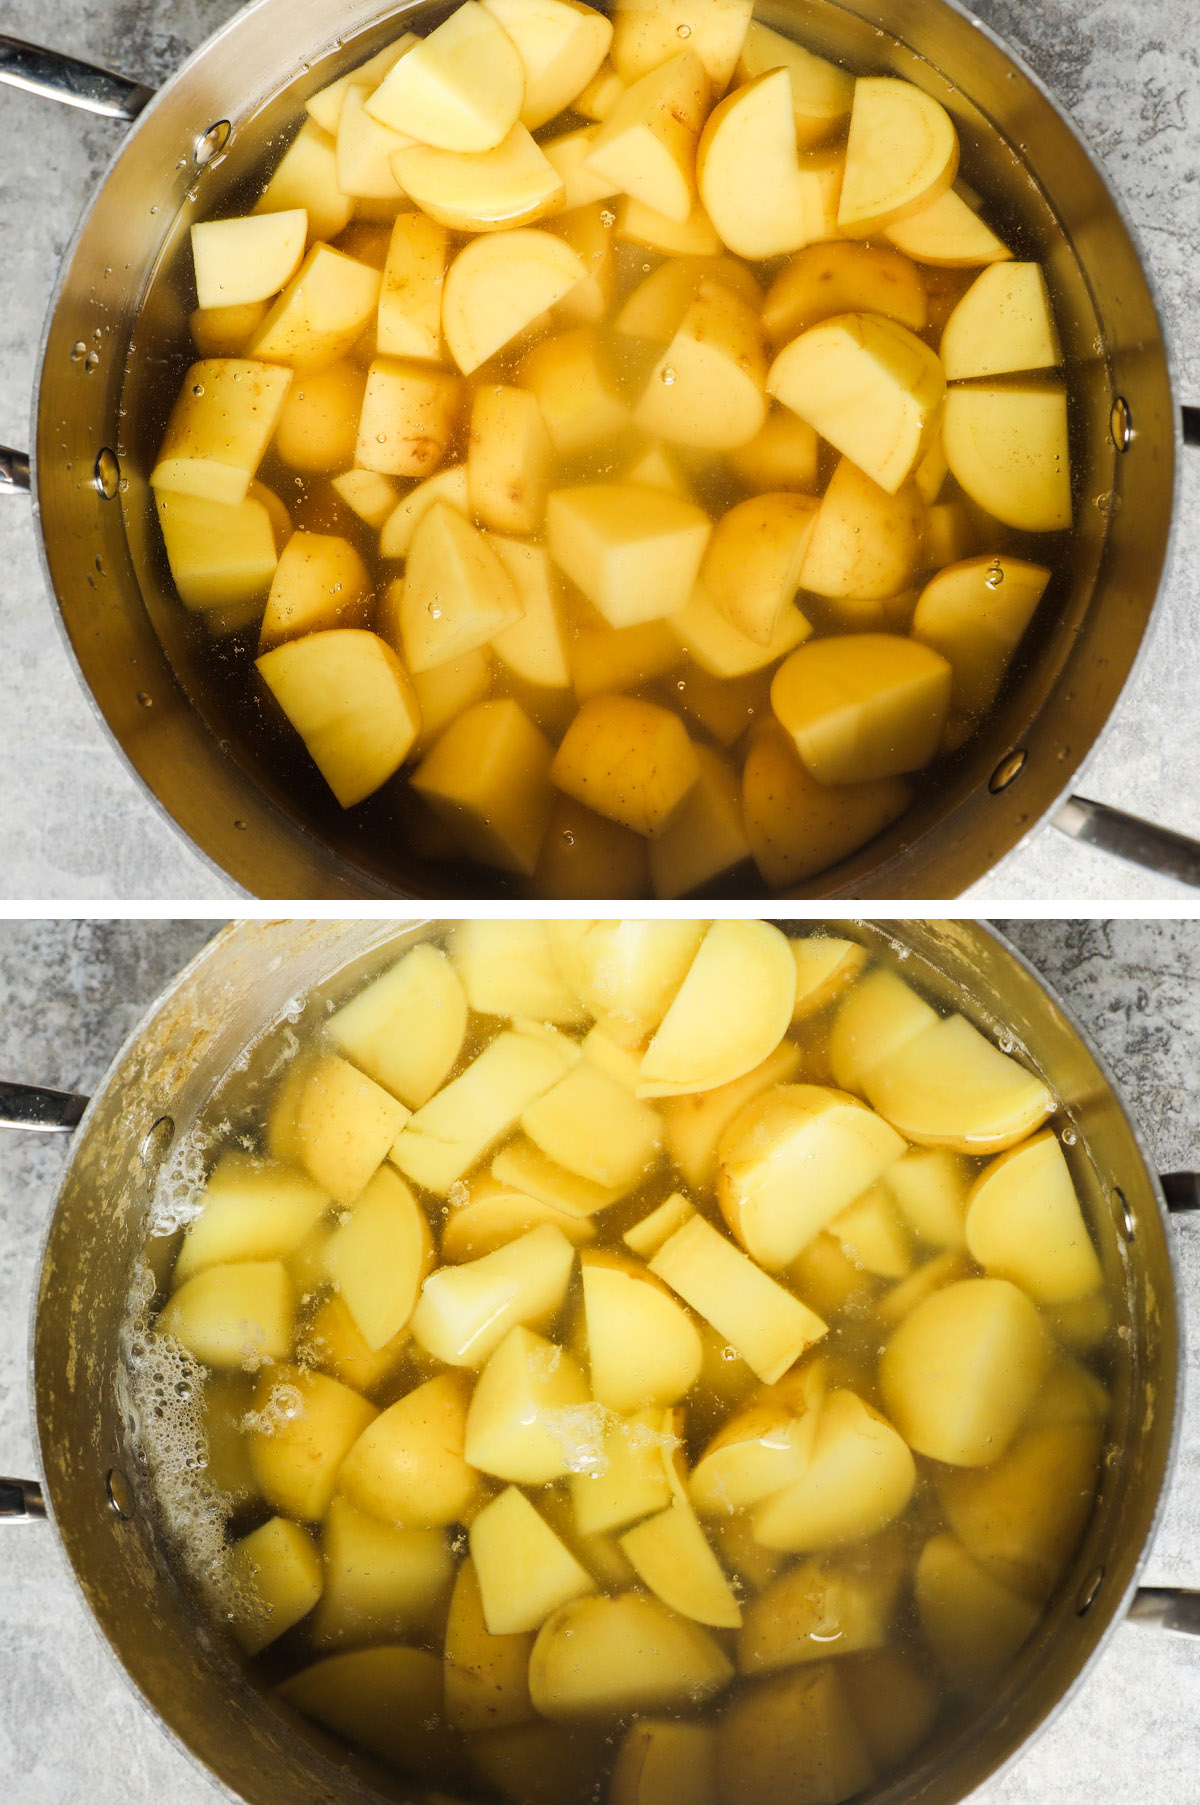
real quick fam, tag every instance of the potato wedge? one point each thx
(647, 145)
(671, 1554)
(561, 44)
(662, 1762)
(901, 154)
(975, 613)
(526, 1573)
(350, 699)
(949, 234)
(762, 1449)
(643, 1347)
(451, 486)
(512, 184)
(530, 1419)
(697, 1046)
(822, 93)
(782, 455)
(751, 570)
(748, 171)
(627, 972)
(408, 417)
(307, 177)
(383, 1699)
(1008, 448)
(408, 1466)
(235, 1313)
(792, 1737)
(708, 388)
(798, 827)
(460, 89)
(409, 320)
(487, 1685)
(864, 542)
(305, 1426)
(860, 1477)
(1003, 323)
(693, 1125)
(818, 1609)
(606, 1657)
(219, 428)
(466, 1311)
(457, 593)
(570, 379)
(247, 259)
(380, 1582)
(379, 1256)
(320, 583)
(949, 1086)
(828, 279)
(498, 284)
(863, 706)
(407, 1027)
(648, 33)
(635, 553)
(277, 1572)
(1024, 1223)
(768, 1326)
(973, 1622)
(707, 837)
(320, 313)
(629, 760)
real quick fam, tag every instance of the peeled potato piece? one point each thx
(461, 88)
(220, 426)
(792, 1740)
(306, 1424)
(863, 706)
(947, 233)
(508, 968)
(643, 1347)
(278, 1574)
(864, 542)
(409, 319)
(950, 1087)
(606, 1657)
(656, 308)
(762, 1449)
(232, 1313)
(975, 613)
(821, 92)
(707, 389)
(344, 1124)
(629, 760)
(525, 1423)
(798, 827)
(748, 170)
(629, 1480)
(827, 279)
(973, 1622)
(457, 593)
(383, 1699)
(901, 154)
(407, 1027)
(693, 1125)
(250, 259)
(320, 313)
(880, 1016)
(512, 184)
(819, 1609)
(751, 570)
(380, 1581)
(379, 1256)
(867, 385)
(860, 1476)
(961, 1371)
(487, 1685)
(634, 552)
(466, 1311)
(488, 777)
(1003, 323)
(647, 144)
(408, 1466)
(697, 1047)
(1008, 448)
(767, 1325)
(1024, 1223)
(627, 972)
(707, 838)
(499, 283)
(662, 1762)
(250, 1210)
(525, 1571)
(590, 1124)
(648, 33)
(561, 44)
(320, 584)
(672, 1556)
(307, 177)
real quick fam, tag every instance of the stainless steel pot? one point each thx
(157, 1089)
(121, 295)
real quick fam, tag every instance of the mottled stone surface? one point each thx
(71, 1732)
(74, 823)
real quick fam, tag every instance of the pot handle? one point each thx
(40, 1111)
(77, 84)
(1126, 837)
(21, 1501)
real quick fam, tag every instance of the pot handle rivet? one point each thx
(119, 1493)
(1122, 1212)
(1007, 771)
(1089, 1592)
(1120, 424)
(157, 1142)
(210, 143)
(106, 473)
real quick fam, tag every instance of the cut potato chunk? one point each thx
(629, 760)
(634, 552)
(320, 583)
(859, 1478)
(751, 569)
(307, 177)
(901, 154)
(325, 106)
(487, 1685)
(608, 660)
(535, 647)
(627, 972)
(222, 554)
(693, 1125)
(672, 1556)
(598, 97)
(587, 858)
(961, 1371)
(708, 388)
(762, 1449)
(768, 1326)
(867, 385)
(496, 1215)
(950, 1087)
(409, 413)
(457, 593)
(364, 147)
(894, 1703)
(530, 1420)
(508, 461)
(798, 827)
(643, 1347)
(821, 92)
(589, 230)
(748, 171)
(333, 1338)
(408, 1466)
(382, 1699)
(380, 1582)
(250, 1210)
(863, 706)
(528, 1169)
(453, 1131)
(249, 259)
(647, 145)
(510, 185)
(320, 313)
(1003, 323)
(561, 43)
(695, 236)
(929, 1186)
(973, 1622)
(783, 455)
(1008, 448)
(379, 1256)
(948, 233)
(879, 1017)
(450, 486)
(629, 1479)
(873, 1236)
(606, 1657)
(446, 690)
(590, 1124)
(466, 1311)
(409, 321)
(792, 1160)
(818, 1609)
(827, 279)
(278, 1575)
(1024, 1223)
(344, 1125)
(574, 389)
(461, 88)
(697, 1047)
(509, 968)
(656, 308)
(525, 1572)
(662, 1762)
(648, 32)
(407, 1027)
(864, 542)
(825, 967)
(306, 1424)
(498, 284)
(488, 777)
(318, 428)
(792, 1740)
(233, 1315)
(707, 838)
(220, 425)
(975, 613)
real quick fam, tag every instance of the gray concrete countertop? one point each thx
(74, 823)
(71, 1730)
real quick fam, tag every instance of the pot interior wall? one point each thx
(250, 978)
(215, 763)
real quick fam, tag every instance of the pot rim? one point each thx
(368, 888)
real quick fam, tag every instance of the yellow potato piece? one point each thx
(695, 236)
(534, 648)
(707, 837)
(608, 660)
(249, 1210)
(894, 1704)
(344, 1124)
(278, 1575)
(488, 777)
(409, 414)
(792, 1740)
(486, 1676)
(457, 593)
(708, 388)
(783, 455)
(671, 1554)
(881, 1015)
(821, 92)
(450, 486)
(1008, 448)
(408, 1466)
(466, 1311)
(529, 1420)
(561, 43)
(379, 1256)
(332, 1337)
(320, 313)
(759, 1451)
(798, 827)
(382, 1699)
(498, 284)
(1003, 323)
(525, 1572)
(628, 1480)
(585, 856)
(863, 706)
(643, 1347)
(647, 144)
(962, 1370)
(605, 1657)
(767, 1325)
(950, 1087)
(307, 1424)
(526, 1168)
(461, 88)
(318, 428)
(817, 1609)
(221, 423)
(510, 185)
(494, 1216)
(325, 106)
(592, 1125)
(409, 320)
(656, 308)
(589, 230)
(222, 554)
(828, 279)
(860, 1477)
(407, 1027)
(231, 1314)
(569, 378)
(873, 1236)
(947, 233)
(380, 1582)
(748, 170)
(627, 759)
(247, 259)
(307, 177)
(1024, 1223)
(868, 386)
(626, 972)
(929, 1186)
(320, 583)
(697, 1046)
(662, 1762)
(363, 150)
(634, 552)
(864, 542)
(508, 968)
(508, 462)
(826, 966)
(751, 570)
(648, 33)
(973, 1622)
(901, 154)
(693, 1125)
(598, 97)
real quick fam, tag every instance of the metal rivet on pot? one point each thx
(106, 473)
(120, 1494)
(157, 1142)
(1123, 1213)
(1120, 424)
(145, 699)
(210, 142)
(1089, 1592)
(1007, 771)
